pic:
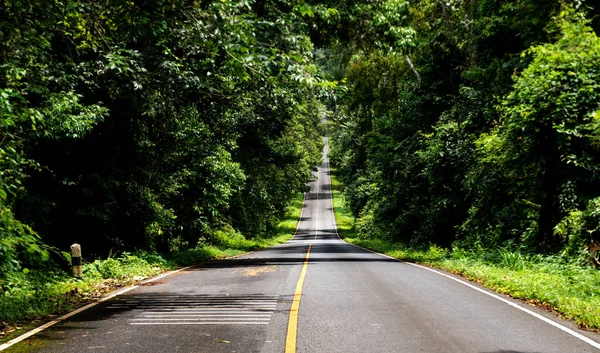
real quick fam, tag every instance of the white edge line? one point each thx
(516, 306)
(83, 308)
(495, 296)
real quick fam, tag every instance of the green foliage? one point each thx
(17, 242)
(152, 127)
(124, 267)
(478, 134)
(543, 151)
(577, 228)
(228, 242)
(447, 136)
(32, 294)
(512, 260)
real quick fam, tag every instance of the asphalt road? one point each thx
(351, 301)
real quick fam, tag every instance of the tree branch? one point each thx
(412, 67)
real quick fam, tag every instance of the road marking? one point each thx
(205, 302)
(216, 319)
(201, 312)
(183, 308)
(226, 297)
(290, 342)
(493, 295)
(205, 309)
(208, 315)
(218, 310)
(198, 323)
(292, 332)
(187, 304)
(84, 308)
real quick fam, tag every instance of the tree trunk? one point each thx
(474, 55)
(549, 213)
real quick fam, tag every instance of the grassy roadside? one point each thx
(569, 289)
(33, 298)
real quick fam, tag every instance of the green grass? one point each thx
(343, 215)
(33, 297)
(571, 290)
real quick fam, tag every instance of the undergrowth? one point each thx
(552, 282)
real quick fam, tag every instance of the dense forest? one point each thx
(471, 124)
(155, 124)
(149, 125)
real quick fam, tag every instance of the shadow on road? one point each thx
(326, 187)
(294, 252)
(318, 196)
(281, 261)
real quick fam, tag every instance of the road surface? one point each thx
(341, 299)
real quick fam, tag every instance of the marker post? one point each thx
(76, 260)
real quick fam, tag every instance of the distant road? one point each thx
(341, 299)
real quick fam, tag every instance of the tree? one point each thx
(545, 145)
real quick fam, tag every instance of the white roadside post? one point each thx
(76, 260)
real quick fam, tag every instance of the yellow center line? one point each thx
(290, 342)
(292, 332)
